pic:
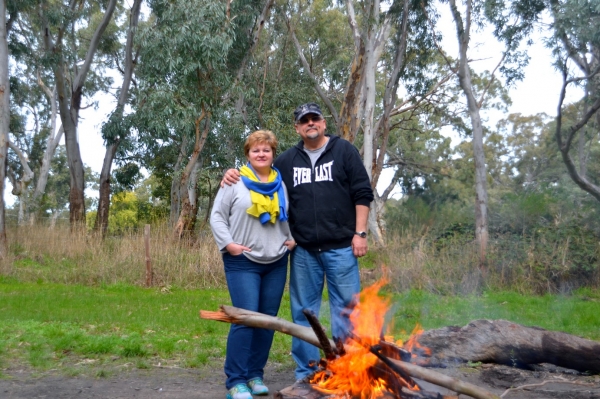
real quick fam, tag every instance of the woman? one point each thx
(249, 223)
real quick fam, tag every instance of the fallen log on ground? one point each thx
(504, 342)
(230, 314)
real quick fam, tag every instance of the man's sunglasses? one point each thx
(306, 119)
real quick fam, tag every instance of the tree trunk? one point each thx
(76, 193)
(42, 180)
(175, 184)
(376, 221)
(20, 185)
(69, 103)
(101, 222)
(464, 78)
(51, 144)
(504, 342)
(4, 124)
(187, 217)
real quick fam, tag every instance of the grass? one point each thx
(57, 255)
(81, 329)
(53, 325)
(575, 314)
(415, 261)
(75, 302)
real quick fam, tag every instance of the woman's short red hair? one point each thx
(261, 137)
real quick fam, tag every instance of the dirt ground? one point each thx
(169, 383)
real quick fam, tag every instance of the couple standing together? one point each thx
(328, 191)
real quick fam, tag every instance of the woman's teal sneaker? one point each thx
(258, 386)
(240, 391)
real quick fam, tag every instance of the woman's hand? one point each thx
(236, 249)
(290, 244)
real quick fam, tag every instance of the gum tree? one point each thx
(576, 42)
(388, 42)
(113, 130)
(70, 60)
(4, 121)
(189, 62)
(511, 23)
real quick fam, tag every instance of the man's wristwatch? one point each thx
(361, 234)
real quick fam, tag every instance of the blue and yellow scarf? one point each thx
(268, 199)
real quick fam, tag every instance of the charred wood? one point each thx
(313, 320)
(504, 342)
(393, 351)
(398, 370)
(445, 381)
(235, 315)
(339, 346)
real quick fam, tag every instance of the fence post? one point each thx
(148, 260)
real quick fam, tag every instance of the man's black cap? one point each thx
(305, 109)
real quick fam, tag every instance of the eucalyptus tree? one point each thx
(511, 22)
(390, 44)
(189, 60)
(71, 34)
(114, 131)
(54, 133)
(577, 42)
(17, 161)
(34, 131)
(4, 121)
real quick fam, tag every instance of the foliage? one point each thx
(131, 210)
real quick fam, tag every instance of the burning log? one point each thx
(234, 315)
(319, 331)
(504, 342)
(445, 381)
(303, 390)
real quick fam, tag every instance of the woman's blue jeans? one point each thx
(308, 271)
(257, 287)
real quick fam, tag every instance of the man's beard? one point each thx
(312, 135)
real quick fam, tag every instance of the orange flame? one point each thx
(351, 373)
(412, 345)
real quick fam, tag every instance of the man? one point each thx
(330, 194)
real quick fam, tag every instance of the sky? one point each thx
(538, 92)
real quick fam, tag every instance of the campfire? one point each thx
(358, 368)
(368, 365)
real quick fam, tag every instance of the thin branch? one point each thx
(492, 78)
(89, 57)
(317, 327)
(27, 172)
(318, 88)
(557, 380)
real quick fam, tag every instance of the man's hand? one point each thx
(236, 249)
(232, 176)
(360, 246)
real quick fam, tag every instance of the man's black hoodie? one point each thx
(322, 213)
